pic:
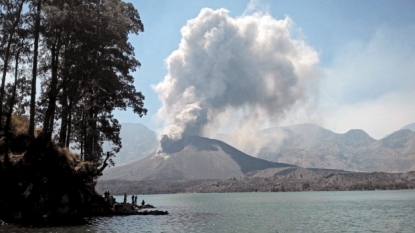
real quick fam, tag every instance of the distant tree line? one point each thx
(79, 52)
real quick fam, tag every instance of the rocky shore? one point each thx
(132, 209)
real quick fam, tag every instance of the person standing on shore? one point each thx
(125, 197)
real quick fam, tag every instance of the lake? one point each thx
(354, 211)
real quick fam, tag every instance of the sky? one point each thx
(338, 64)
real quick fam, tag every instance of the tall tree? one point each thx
(84, 60)
(10, 22)
(20, 48)
(90, 61)
(36, 33)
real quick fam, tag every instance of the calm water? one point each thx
(364, 211)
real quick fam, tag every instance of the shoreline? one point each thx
(291, 179)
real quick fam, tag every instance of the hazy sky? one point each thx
(361, 54)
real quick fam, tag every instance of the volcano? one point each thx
(191, 158)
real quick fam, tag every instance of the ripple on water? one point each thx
(375, 211)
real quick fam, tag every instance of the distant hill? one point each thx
(137, 142)
(312, 146)
(410, 127)
(192, 158)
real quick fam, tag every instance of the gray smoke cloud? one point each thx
(234, 74)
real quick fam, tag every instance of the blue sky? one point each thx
(366, 50)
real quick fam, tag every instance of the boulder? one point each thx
(148, 206)
(125, 209)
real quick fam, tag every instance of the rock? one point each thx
(2, 223)
(152, 212)
(125, 209)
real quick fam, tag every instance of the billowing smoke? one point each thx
(233, 75)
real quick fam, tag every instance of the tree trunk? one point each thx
(6, 60)
(9, 114)
(84, 132)
(96, 150)
(34, 72)
(68, 136)
(64, 102)
(3, 80)
(64, 124)
(50, 112)
(89, 144)
(13, 97)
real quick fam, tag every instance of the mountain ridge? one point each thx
(409, 126)
(202, 167)
(314, 146)
(308, 145)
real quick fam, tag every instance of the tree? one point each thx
(13, 44)
(10, 21)
(90, 60)
(20, 48)
(84, 60)
(36, 33)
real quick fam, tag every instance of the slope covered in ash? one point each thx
(191, 158)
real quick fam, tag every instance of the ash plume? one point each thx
(233, 74)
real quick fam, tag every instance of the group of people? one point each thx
(133, 199)
(108, 198)
(107, 194)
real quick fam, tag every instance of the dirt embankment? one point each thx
(42, 183)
